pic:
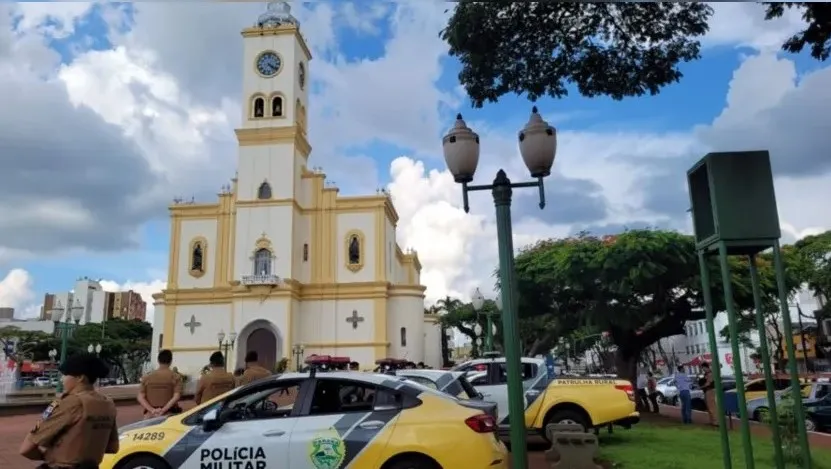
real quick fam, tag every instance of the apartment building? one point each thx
(94, 305)
(126, 305)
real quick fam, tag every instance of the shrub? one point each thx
(788, 428)
(281, 366)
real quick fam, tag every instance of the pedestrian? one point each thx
(161, 389)
(652, 391)
(215, 382)
(79, 427)
(253, 370)
(709, 388)
(643, 401)
(682, 384)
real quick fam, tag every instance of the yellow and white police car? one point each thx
(589, 402)
(334, 420)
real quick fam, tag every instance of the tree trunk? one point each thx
(626, 365)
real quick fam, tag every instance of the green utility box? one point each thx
(733, 200)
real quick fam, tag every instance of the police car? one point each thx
(317, 421)
(453, 383)
(589, 402)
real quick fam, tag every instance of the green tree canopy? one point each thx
(640, 286)
(615, 49)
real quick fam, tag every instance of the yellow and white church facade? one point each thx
(281, 260)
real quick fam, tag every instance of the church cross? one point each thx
(354, 319)
(193, 324)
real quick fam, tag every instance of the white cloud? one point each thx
(17, 291)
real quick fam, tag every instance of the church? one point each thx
(281, 263)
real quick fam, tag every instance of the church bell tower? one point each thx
(273, 146)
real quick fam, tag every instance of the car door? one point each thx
(339, 421)
(255, 431)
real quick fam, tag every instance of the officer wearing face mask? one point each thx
(79, 427)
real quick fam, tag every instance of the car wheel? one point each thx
(411, 462)
(660, 398)
(565, 417)
(144, 462)
(761, 414)
(810, 425)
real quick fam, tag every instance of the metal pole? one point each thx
(707, 292)
(796, 393)
(489, 334)
(802, 337)
(763, 347)
(726, 280)
(510, 331)
(64, 329)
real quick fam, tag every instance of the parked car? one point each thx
(589, 402)
(812, 392)
(454, 383)
(757, 388)
(42, 382)
(303, 420)
(818, 415)
(668, 393)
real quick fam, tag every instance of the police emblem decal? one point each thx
(46, 413)
(327, 450)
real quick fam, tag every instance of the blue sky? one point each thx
(696, 101)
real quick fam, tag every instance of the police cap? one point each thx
(85, 364)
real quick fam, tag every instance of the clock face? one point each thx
(301, 75)
(268, 64)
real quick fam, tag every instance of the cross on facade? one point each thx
(193, 324)
(354, 319)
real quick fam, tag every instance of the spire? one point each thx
(277, 13)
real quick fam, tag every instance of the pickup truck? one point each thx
(590, 402)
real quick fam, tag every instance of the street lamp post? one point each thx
(297, 350)
(226, 346)
(538, 146)
(478, 301)
(71, 315)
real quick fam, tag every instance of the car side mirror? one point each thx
(211, 421)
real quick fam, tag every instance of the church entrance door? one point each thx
(264, 342)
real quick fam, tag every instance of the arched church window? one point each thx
(259, 107)
(264, 191)
(262, 262)
(403, 336)
(277, 106)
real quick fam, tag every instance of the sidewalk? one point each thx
(815, 439)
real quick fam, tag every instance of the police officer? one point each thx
(76, 429)
(253, 370)
(215, 382)
(161, 389)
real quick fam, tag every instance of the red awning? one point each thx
(698, 360)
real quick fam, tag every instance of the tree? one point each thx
(615, 49)
(812, 258)
(125, 344)
(640, 286)
(817, 33)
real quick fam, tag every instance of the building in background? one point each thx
(6, 313)
(125, 305)
(97, 305)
